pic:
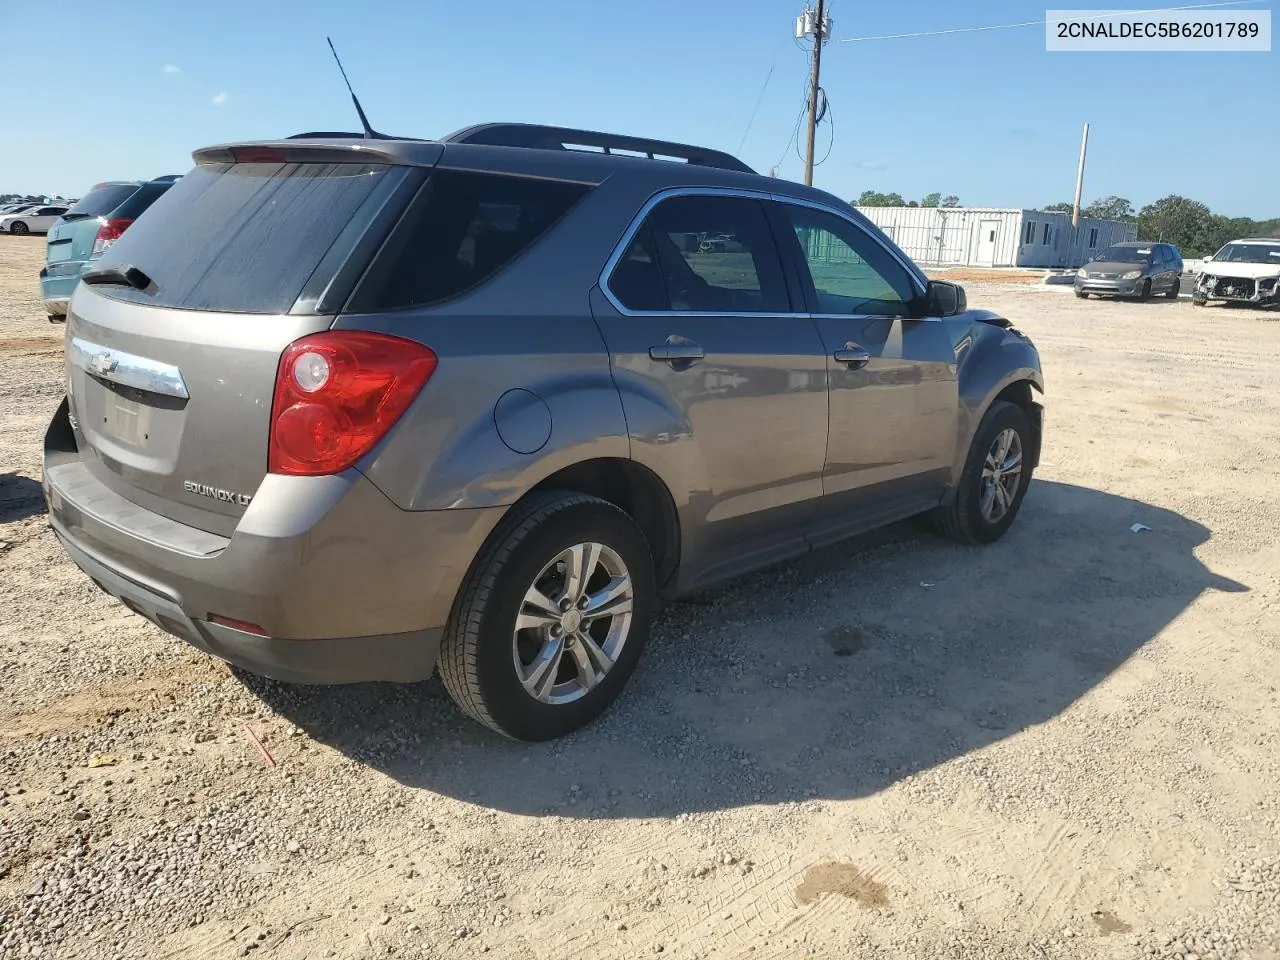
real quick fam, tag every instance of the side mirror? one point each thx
(1206, 259)
(944, 299)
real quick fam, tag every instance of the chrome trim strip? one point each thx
(126, 369)
(638, 220)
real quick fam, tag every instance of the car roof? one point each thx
(585, 155)
(1256, 240)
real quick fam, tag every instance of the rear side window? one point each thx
(143, 197)
(709, 254)
(246, 237)
(100, 201)
(459, 232)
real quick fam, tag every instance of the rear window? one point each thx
(102, 200)
(247, 237)
(143, 197)
(462, 230)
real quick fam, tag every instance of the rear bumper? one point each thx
(403, 657)
(346, 585)
(57, 283)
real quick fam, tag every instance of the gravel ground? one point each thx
(1061, 746)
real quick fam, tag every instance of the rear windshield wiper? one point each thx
(124, 274)
(72, 217)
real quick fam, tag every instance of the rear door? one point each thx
(170, 386)
(892, 375)
(724, 388)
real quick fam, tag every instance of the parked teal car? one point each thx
(87, 231)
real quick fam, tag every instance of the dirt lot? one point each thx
(1062, 746)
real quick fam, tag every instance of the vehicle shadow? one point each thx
(20, 497)
(831, 677)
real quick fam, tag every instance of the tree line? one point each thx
(873, 198)
(1188, 224)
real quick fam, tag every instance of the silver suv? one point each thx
(346, 409)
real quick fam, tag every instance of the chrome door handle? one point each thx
(852, 356)
(677, 350)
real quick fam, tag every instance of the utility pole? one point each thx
(1075, 212)
(817, 25)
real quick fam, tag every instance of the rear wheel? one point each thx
(18, 228)
(551, 619)
(995, 478)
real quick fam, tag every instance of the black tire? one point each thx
(476, 651)
(1197, 300)
(18, 228)
(962, 520)
(1082, 295)
(1146, 290)
(1174, 289)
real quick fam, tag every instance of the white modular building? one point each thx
(997, 237)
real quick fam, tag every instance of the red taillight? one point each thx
(337, 395)
(108, 234)
(257, 155)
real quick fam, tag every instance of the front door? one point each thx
(892, 376)
(724, 387)
(988, 230)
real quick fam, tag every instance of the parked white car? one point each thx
(1243, 271)
(38, 220)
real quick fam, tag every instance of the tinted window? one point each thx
(1031, 232)
(50, 211)
(851, 272)
(1126, 254)
(460, 231)
(703, 254)
(1047, 229)
(244, 238)
(143, 197)
(102, 200)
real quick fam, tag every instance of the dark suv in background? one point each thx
(344, 409)
(87, 231)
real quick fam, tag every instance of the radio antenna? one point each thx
(369, 132)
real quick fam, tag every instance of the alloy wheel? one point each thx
(1001, 475)
(573, 623)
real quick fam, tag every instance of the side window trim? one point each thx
(619, 251)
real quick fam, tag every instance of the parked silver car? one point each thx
(1132, 270)
(343, 409)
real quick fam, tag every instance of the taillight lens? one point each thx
(108, 234)
(337, 395)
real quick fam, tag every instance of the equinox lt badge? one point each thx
(216, 493)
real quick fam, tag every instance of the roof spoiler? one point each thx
(538, 137)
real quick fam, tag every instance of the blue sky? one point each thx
(127, 90)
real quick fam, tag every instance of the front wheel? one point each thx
(995, 478)
(1174, 289)
(1082, 295)
(18, 228)
(551, 619)
(1146, 290)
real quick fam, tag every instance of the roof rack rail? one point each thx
(538, 137)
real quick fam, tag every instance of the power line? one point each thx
(1040, 23)
(756, 109)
